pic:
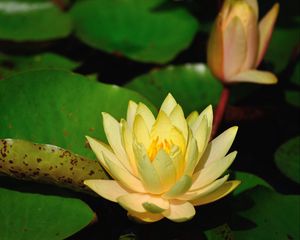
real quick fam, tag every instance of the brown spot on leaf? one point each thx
(38, 160)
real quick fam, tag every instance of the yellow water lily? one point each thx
(238, 43)
(164, 166)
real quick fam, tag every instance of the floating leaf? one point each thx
(47, 164)
(292, 97)
(248, 181)
(60, 108)
(278, 55)
(287, 159)
(29, 216)
(32, 20)
(264, 213)
(13, 64)
(192, 85)
(141, 30)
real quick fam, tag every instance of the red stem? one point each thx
(220, 110)
(59, 3)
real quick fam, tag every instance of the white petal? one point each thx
(141, 203)
(145, 217)
(222, 191)
(191, 195)
(217, 148)
(146, 114)
(108, 189)
(131, 111)
(112, 130)
(180, 211)
(191, 157)
(213, 171)
(178, 120)
(141, 131)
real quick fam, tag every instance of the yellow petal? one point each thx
(141, 131)
(165, 168)
(178, 120)
(234, 47)
(208, 113)
(252, 41)
(202, 135)
(180, 187)
(192, 118)
(213, 171)
(254, 5)
(192, 195)
(192, 157)
(222, 191)
(266, 26)
(255, 76)
(178, 160)
(146, 114)
(131, 111)
(217, 148)
(147, 172)
(119, 173)
(180, 211)
(215, 50)
(112, 130)
(108, 189)
(141, 203)
(168, 104)
(145, 217)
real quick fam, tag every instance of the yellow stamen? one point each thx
(156, 145)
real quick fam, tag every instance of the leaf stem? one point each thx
(220, 110)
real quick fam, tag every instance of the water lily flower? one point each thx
(163, 167)
(238, 43)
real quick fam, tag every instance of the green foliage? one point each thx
(141, 30)
(287, 159)
(13, 64)
(31, 216)
(192, 85)
(59, 108)
(32, 20)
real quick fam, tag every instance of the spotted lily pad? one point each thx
(141, 30)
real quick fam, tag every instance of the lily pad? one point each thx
(141, 30)
(192, 85)
(278, 55)
(32, 21)
(263, 212)
(59, 108)
(292, 97)
(30, 216)
(248, 181)
(47, 164)
(13, 64)
(287, 159)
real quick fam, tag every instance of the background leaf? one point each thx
(34, 216)
(141, 30)
(32, 21)
(287, 159)
(59, 108)
(192, 85)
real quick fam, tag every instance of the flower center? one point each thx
(156, 145)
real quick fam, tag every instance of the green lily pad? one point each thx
(292, 97)
(192, 85)
(47, 164)
(278, 55)
(287, 159)
(29, 216)
(248, 181)
(32, 21)
(60, 108)
(140, 30)
(13, 64)
(265, 214)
